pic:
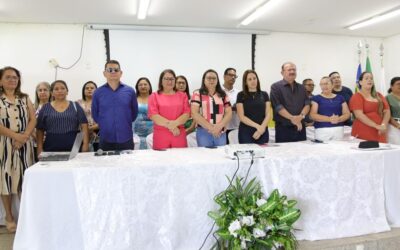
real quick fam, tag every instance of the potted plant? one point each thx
(248, 220)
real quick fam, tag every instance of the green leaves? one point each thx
(241, 203)
(290, 215)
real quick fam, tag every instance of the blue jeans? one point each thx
(205, 139)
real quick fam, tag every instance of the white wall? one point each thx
(315, 56)
(392, 58)
(28, 47)
(148, 53)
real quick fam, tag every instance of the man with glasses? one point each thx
(309, 85)
(229, 80)
(339, 89)
(114, 108)
(290, 105)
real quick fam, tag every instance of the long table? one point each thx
(160, 199)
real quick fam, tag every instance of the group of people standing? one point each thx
(110, 115)
(371, 115)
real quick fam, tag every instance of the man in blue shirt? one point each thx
(114, 108)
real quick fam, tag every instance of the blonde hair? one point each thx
(374, 94)
(37, 100)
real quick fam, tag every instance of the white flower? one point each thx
(261, 202)
(243, 244)
(244, 238)
(268, 227)
(277, 246)
(248, 220)
(233, 227)
(258, 233)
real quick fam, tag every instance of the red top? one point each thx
(370, 109)
(168, 106)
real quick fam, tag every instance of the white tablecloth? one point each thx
(160, 199)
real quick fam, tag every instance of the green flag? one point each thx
(368, 66)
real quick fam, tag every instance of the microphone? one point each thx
(99, 152)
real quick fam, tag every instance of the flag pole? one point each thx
(359, 51)
(383, 80)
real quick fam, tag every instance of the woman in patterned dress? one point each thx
(42, 96)
(17, 121)
(143, 125)
(88, 90)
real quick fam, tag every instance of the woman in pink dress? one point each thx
(169, 110)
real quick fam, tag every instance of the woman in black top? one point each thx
(253, 108)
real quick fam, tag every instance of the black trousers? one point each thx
(289, 133)
(108, 146)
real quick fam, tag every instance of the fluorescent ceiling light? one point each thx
(258, 12)
(375, 19)
(143, 8)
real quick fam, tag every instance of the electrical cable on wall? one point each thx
(56, 66)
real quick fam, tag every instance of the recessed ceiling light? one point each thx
(143, 8)
(375, 19)
(258, 12)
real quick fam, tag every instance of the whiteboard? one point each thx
(148, 53)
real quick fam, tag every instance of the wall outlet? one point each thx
(53, 62)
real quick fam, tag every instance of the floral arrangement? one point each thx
(247, 220)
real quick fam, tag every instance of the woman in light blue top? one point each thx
(143, 126)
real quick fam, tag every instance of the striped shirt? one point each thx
(54, 122)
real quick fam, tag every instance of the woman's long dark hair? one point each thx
(244, 85)
(187, 91)
(392, 82)
(203, 89)
(17, 91)
(83, 89)
(137, 85)
(160, 87)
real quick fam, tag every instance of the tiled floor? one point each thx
(381, 241)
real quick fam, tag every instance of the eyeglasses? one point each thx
(169, 79)
(232, 75)
(181, 83)
(210, 78)
(8, 78)
(113, 70)
(310, 85)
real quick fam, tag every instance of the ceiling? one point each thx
(304, 16)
